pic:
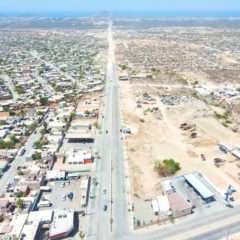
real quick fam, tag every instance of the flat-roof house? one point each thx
(77, 156)
(178, 205)
(62, 225)
(164, 206)
(55, 175)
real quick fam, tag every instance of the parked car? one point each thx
(70, 195)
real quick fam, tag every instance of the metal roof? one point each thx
(199, 186)
(155, 206)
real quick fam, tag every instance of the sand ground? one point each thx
(157, 136)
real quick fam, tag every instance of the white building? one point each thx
(77, 156)
(62, 225)
(54, 175)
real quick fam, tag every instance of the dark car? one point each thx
(70, 195)
(106, 131)
(105, 208)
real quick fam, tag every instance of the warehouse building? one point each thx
(199, 187)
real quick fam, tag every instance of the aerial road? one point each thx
(109, 218)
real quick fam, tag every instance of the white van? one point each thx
(73, 176)
(21, 151)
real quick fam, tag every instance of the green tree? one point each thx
(38, 145)
(73, 115)
(45, 125)
(19, 203)
(43, 131)
(32, 127)
(37, 156)
(44, 101)
(19, 194)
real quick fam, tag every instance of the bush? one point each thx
(37, 156)
(124, 67)
(166, 167)
(1, 218)
(20, 90)
(7, 145)
(38, 145)
(3, 123)
(19, 194)
(32, 127)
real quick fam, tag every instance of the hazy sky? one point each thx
(117, 5)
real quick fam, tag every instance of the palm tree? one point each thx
(81, 235)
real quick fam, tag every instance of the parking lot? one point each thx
(77, 145)
(60, 196)
(143, 210)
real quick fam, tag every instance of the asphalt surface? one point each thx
(99, 223)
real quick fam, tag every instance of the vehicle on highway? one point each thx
(106, 131)
(104, 191)
(105, 208)
(21, 151)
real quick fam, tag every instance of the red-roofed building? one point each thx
(4, 204)
(179, 206)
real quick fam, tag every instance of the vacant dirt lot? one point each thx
(157, 136)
